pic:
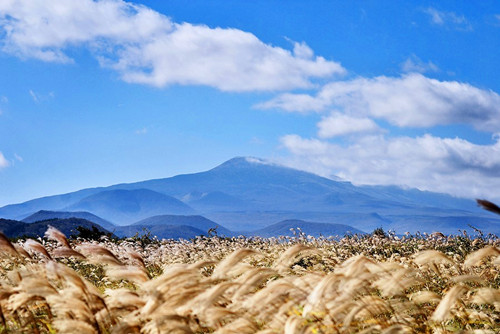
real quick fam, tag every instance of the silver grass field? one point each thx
(379, 283)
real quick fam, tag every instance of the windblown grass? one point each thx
(370, 284)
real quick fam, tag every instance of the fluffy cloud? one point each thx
(3, 162)
(338, 124)
(146, 47)
(453, 166)
(409, 101)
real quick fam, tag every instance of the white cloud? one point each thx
(3, 162)
(142, 131)
(18, 157)
(453, 166)
(338, 124)
(452, 19)
(146, 47)
(415, 64)
(409, 101)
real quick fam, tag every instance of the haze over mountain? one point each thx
(245, 194)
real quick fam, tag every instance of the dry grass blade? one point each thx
(443, 310)
(432, 256)
(6, 246)
(131, 273)
(228, 265)
(74, 326)
(103, 254)
(487, 205)
(290, 256)
(424, 297)
(53, 233)
(37, 247)
(67, 252)
(487, 296)
(241, 325)
(476, 257)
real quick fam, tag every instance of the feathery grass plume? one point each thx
(37, 247)
(230, 264)
(21, 251)
(290, 256)
(355, 266)
(487, 296)
(206, 299)
(487, 205)
(322, 292)
(53, 233)
(431, 256)
(476, 257)
(251, 280)
(67, 252)
(130, 273)
(239, 326)
(68, 276)
(136, 257)
(397, 329)
(396, 283)
(36, 286)
(295, 325)
(468, 278)
(422, 297)
(123, 300)
(74, 326)
(6, 246)
(444, 308)
(70, 305)
(100, 253)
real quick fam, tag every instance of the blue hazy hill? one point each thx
(46, 215)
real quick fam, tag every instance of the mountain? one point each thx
(14, 228)
(127, 206)
(46, 215)
(309, 228)
(250, 194)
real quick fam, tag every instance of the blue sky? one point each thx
(94, 93)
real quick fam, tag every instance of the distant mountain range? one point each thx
(250, 194)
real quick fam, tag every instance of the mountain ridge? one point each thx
(247, 193)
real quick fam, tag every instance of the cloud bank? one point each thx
(453, 166)
(146, 47)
